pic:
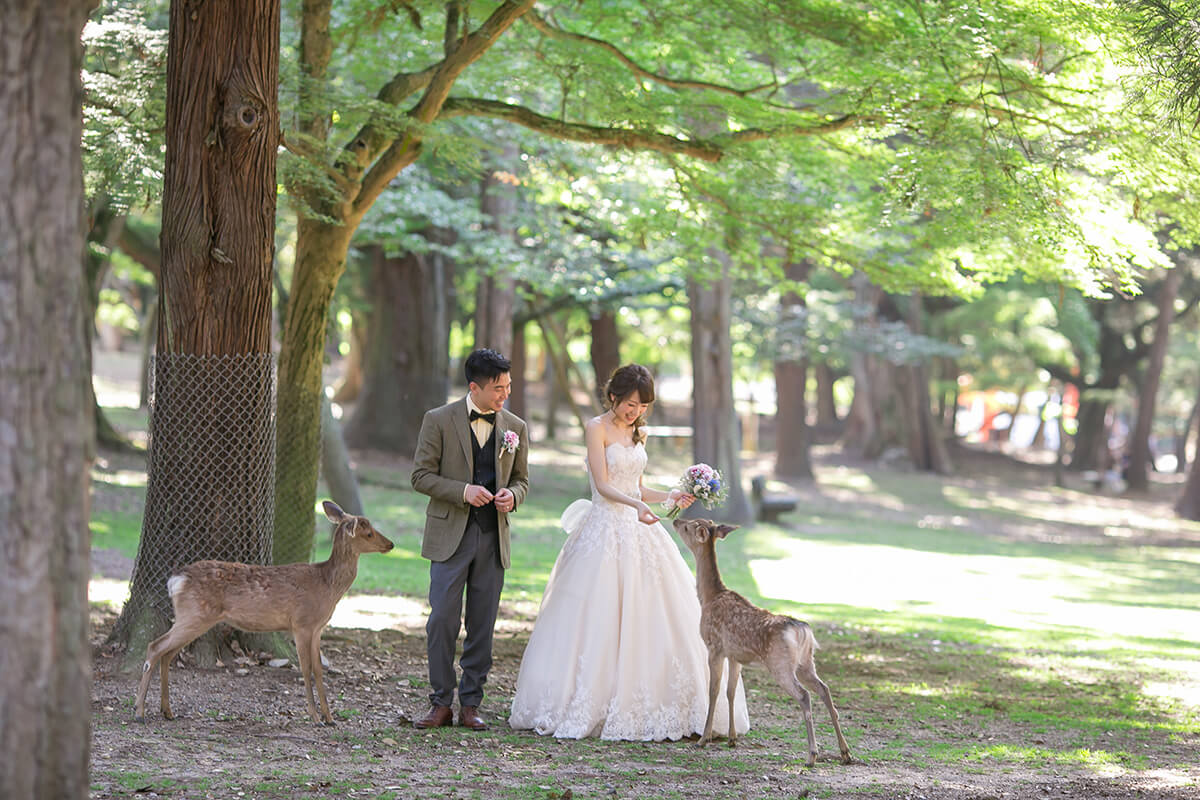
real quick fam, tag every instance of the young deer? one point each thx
(286, 597)
(738, 632)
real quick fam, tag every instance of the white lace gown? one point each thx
(616, 649)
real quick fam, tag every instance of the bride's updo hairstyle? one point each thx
(625, 381)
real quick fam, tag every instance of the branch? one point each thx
(547, 29)
(711, 149)
(400, 154)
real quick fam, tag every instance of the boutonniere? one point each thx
(512, 440)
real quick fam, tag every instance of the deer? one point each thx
(736, 631)
(299, 598)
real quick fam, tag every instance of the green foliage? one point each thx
(124, 110)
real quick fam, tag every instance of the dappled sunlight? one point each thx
(1010, 591)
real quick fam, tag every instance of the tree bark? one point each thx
(827, 416)
(496, 296)
(605, 350)
(792, 435)
(214, 326)
(518, 399)
(717, 440)
(46, 434)
(926, 446)
(320, 260)
(1137, 476)
(406, 363)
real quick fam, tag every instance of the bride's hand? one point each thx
(678, 497)
(645, 515)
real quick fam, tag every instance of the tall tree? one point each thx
(406, 356)
(1139, 453)
(718, 440)
(46, 433)
(792, 458)
(211, 422)
(567, 74)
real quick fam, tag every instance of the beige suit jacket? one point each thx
(442, 469)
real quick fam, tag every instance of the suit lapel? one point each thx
(498, 431)
(462, 424)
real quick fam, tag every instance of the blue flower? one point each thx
(715, 485)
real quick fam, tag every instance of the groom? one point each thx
(472, 459)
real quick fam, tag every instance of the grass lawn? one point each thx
(984, 628)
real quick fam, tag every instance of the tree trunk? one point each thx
(717, 439)
(827, 416)
(320, 260)
(792, 440)
(1091, 436)
(209, 484)
(605, 351)
(518, 399)
(46, 435)
(1181, 440)
(106, 227)
(496, 296)
(926, 447)
(406, 364)
(1137, 477)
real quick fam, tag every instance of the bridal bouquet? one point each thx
(704, 483)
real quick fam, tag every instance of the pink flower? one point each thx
(512, 440)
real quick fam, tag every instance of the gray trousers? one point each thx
(475, 565)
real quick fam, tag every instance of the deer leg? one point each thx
(735, 671)
(786, 678)
(716, 667)
(164, 697)
(304, 653)
(319, 676)
(807, 674)
(176, 639)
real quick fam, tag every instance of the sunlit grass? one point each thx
(933, 606)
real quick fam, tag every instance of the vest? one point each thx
(483, 473)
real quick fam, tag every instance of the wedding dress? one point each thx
(616, 649)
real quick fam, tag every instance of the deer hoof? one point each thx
(733, 742)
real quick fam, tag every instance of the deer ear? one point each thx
(332, 511)
(724, 530)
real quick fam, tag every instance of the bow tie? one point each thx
(489, 418)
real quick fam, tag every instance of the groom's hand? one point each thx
(505, 500)
(477, 495)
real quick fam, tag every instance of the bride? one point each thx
(616, 649)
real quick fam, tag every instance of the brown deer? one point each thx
(739, 632)
(285, 597)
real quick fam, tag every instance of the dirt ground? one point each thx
(242, 731)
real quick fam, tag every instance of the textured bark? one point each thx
(605, 350)
(406, 362)
(219, 190)
(46, 435)
(792, 439)
(717, 439)
(320, 260)
(1137, 476)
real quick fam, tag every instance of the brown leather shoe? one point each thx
(438, 717)
(469, 717)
